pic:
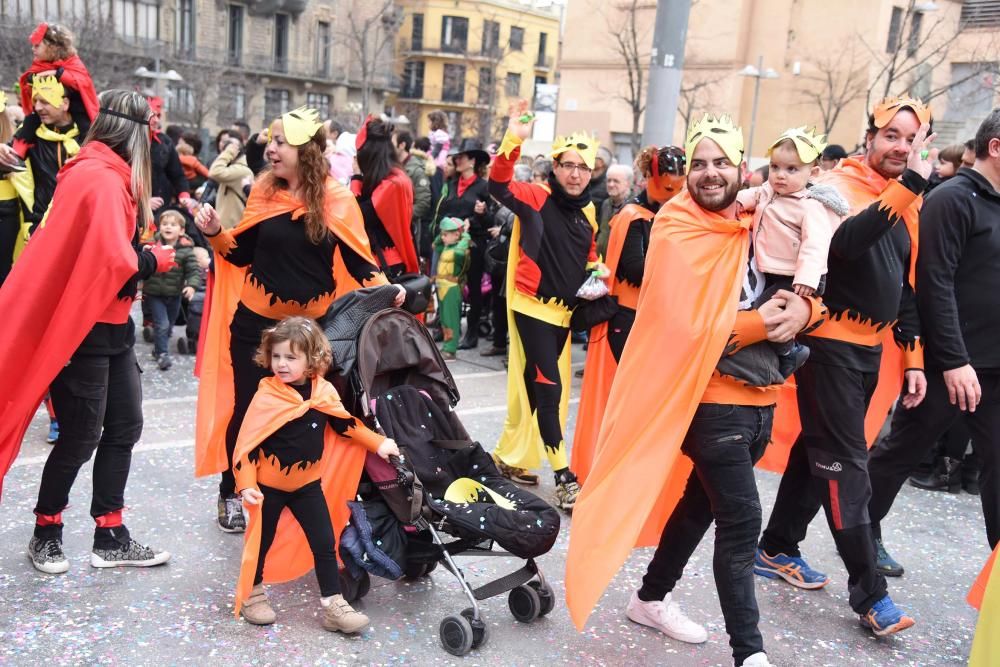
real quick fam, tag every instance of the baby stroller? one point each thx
(444, 497)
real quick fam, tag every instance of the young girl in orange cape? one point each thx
(298, 449)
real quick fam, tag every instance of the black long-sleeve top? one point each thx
(632, 262)
(165, 167)
(958, 273)
(867, 281)
(464, 207)
(47, 158)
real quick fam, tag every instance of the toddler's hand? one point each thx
(803, 290)
(388, 448)
(401, 297)
(252, 496)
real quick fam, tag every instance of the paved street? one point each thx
(181, 612)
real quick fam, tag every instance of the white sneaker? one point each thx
(757, 660)
(667, 617)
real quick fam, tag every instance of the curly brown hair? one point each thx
(668, 160)
(305, 337)
(437, 120)
(314, 171)
(60, 40)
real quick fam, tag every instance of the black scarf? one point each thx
(565, 200)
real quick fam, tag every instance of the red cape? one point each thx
(600, 368)
(215, 390)
(691, 288)
(274, 405)
(75, 76)
(860, 185)
(393, 202)
(66, 279)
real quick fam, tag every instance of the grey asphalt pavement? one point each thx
(181, 613)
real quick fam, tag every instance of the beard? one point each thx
(715, 200)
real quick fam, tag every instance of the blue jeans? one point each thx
(165, 310)
(724, 441)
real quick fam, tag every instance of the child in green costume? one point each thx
(452, 244)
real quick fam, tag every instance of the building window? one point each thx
(980, 14)
(235, 37)
(413, 79)
(51, 10)
(513, 86)
(454, 34)
(281, 42)
(491, 38)
(453, 88)
(136, 21)
(239, 102)
(543, 40)
(180, 100)
(276, 102)
(486, 85)
(76, 9)
(913, 43)
(417, 33)
(516, 39)
(320, 103)
(232, 103)
(185, 26)
(895, 28)
(323, 41)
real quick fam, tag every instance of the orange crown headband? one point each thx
(884, 111)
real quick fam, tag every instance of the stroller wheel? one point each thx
(546, 595)
(456, 634)
(416, 570)
(354, 589)
(525, 603)
(479, 630)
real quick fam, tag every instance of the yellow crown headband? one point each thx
(300, 126)
(584, 144)
(808, 144)
(884, 111)
(49, 89)
(722, 131)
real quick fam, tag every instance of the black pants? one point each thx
(724, 441)
(246, 376)
(474, 279)
(915, 431)
(308, 506)
(828, 465)
(498, 308)
(99, 402)
(543, 343)
(618, 330)
(10, 227)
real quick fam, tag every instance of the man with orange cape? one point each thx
(663, 169)
(869, 291)
(700, 283)
(959, 278)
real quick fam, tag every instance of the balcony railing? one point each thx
(544, 61)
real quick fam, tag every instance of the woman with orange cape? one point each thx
(300, 245)
(298, 456)
(663, 169)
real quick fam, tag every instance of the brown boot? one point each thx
(340, 616)
(256, 609)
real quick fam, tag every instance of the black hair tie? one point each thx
(112, 112)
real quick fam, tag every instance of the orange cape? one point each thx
(273, 406)
(601, 366)
(215, 391)
(691, 288)
(985, 596)
(861, 186)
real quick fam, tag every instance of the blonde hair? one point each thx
(60, 40)
(305, 336)
(6, 127)
(175, 216)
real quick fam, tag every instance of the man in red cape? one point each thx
(696, 281)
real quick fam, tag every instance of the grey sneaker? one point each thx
(47, 556)
(231, 519)
(164, 362)
(130, 554)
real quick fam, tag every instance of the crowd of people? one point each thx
(731, 318)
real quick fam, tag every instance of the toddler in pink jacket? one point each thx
(793, 225)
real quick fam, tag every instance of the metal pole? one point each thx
(665, 71)
(753, 113)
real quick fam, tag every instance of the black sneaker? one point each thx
(884, 563)
(231, 519)
(791, 362)
(147, 333)
(47, 556)
(128, 554)
(182, 345)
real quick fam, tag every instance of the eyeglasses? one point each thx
(572, 166)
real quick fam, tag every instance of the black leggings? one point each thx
(308, 506)
(474, 279)
(543, 343)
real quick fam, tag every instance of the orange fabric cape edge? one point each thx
(861, 186)
(215, 389)
(289, 557)
(600, 367)
(985, 596)
(691, 287)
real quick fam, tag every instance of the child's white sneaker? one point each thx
(667, 617)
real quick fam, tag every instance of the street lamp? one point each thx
(757, 73)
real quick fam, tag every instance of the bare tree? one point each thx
(368, 34)
(837, 80)
(696, 95)
(630, 41)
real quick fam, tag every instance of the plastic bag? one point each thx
(592, 288)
